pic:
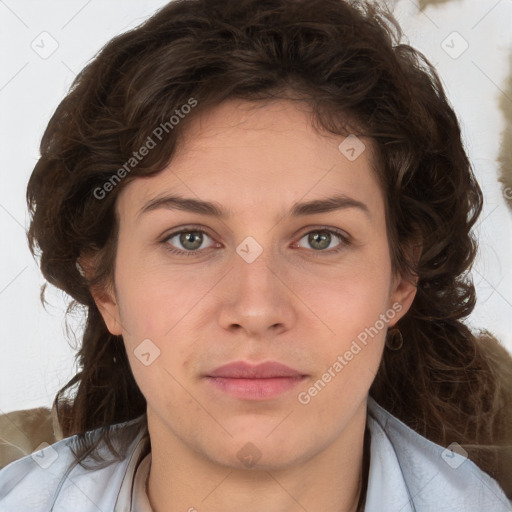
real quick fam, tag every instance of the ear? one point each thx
(104, 296)
(403, 288)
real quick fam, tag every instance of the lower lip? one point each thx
(255, 389)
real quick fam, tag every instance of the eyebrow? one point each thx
(213, 209)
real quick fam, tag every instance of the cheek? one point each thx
(356, 310)
(152, 297)
(160, 306)
(350, 300)
(356, 313)
(155, 297)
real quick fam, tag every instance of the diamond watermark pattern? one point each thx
(45, 45)
(248, 455)
(249, 249)
(352, 147)
(454, 455)
(146, 352)
(45, 455)
(454, 45)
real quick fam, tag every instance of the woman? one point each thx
(266, 208)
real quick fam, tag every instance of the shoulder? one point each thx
(51, 479)
(420, 475)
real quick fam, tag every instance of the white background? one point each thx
(36, 359)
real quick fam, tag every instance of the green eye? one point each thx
(190, 239)
(319, 241)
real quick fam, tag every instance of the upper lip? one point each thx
(244, 370)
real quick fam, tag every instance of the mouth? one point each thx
(254, 382)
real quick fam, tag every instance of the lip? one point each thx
(244, 370)
(254, 382)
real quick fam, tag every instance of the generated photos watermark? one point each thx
(357, 345)
(151, 142)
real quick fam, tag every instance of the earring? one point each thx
(80, 269)
(394, 339)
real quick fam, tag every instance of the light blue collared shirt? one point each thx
(408, 473)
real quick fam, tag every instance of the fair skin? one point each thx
(296, 303)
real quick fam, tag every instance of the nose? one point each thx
(259, 298)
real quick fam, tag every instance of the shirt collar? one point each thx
(407, 473)
(412, 473)
(126, 491)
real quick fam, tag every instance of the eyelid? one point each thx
(185, 229)
(319, 227)
(345, 238)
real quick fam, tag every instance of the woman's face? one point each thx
(276, 278)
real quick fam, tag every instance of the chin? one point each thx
(258, 452)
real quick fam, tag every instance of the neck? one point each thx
(331, 480)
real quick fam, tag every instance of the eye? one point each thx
(191, 240)
(322, 239)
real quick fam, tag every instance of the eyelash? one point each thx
(344, 239)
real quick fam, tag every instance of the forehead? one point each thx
(245, 155)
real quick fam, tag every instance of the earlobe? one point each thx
(403, 295)
(405, 287)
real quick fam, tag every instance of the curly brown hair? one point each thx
(346, 60)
